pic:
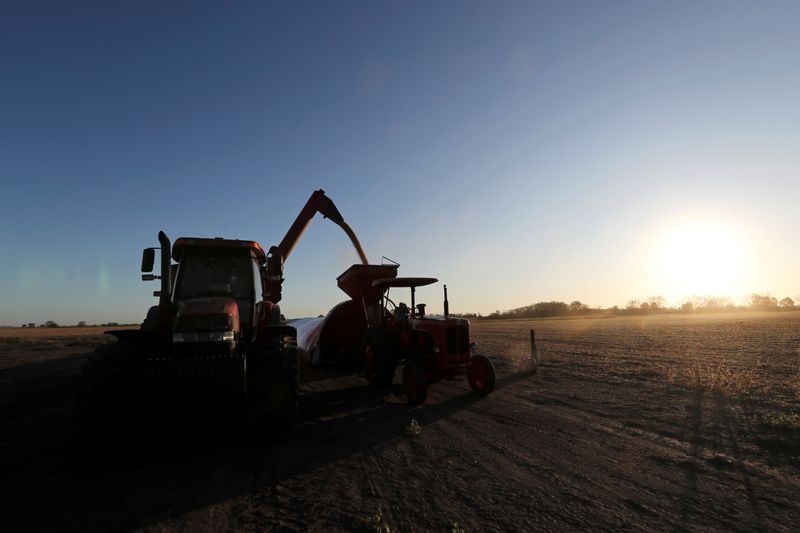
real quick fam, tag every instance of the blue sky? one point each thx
(519, 151)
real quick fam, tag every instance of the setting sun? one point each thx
(699, 258)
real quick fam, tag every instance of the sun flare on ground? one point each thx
(699, 257)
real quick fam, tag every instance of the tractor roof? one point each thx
(183, 243)
(386, 283)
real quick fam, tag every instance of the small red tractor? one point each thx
(217, 332)
(430, 348)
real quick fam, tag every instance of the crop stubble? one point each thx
(625, 424)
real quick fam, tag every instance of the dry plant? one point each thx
(718, 377)
(794, 382)
(780, 421)
(377, 522)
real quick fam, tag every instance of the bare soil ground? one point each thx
(652, 423)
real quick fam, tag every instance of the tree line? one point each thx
(653, 304)
(81, 324)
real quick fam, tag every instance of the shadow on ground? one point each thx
(174, 463)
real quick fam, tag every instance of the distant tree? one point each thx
(687, 307)
(82, 324)
(656, 302)
(787, 302)
(762, 301)
(24, 325)
(550, 309)
(644, 306)
(632, 304)
(50, 324)
(578, 307)
(716, 302)
(31, 325)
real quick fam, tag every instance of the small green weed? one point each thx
(414, 429)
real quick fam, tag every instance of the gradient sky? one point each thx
(518, 151)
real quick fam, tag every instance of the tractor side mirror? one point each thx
(148, 258)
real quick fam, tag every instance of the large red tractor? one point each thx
(217, 332)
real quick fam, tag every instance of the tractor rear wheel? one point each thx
(380, 365)
(481, 374)
(273, 388)
(415, 383)
(106, 395)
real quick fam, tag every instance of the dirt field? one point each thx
(657, 423)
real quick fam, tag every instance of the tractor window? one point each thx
(215, 275)
(256, 280)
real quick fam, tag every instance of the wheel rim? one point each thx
(478, 374)
(412, 383)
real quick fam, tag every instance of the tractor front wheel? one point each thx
(481, 375)
(415, 383)
(273, 388)
(379, 364)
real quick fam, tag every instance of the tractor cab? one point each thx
(400, 312)
(440, 341)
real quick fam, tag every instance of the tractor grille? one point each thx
(457, 339)
(216, 374)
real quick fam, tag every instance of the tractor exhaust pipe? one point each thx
(446, 303)
(166, 271)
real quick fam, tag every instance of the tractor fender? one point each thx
(150, 323)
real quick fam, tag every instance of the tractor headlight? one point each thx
(207, 336)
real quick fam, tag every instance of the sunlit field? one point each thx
(666, 350)
(656, 422)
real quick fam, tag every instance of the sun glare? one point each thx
(699, 258)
